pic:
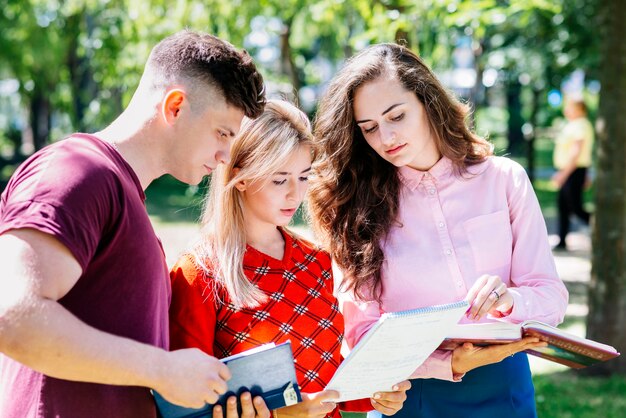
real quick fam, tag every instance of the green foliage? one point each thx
(109, 40)
(170, 201)
(569, 395)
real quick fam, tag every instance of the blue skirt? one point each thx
(503, 389)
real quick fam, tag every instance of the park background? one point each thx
(72, 65)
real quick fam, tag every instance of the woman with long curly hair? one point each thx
(416, 211)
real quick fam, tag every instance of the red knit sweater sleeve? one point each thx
(192, 310)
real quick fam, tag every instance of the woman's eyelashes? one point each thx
(370, 130)
(397, 118)
(303, 179)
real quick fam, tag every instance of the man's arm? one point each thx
(37, 331)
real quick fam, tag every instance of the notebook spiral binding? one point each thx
(427, 310)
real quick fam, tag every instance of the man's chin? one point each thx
(191, 180)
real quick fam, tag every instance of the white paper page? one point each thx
(390, 353)
(491, 330)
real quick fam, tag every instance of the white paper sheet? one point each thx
(393, 349)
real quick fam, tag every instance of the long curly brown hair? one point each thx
(354, 195)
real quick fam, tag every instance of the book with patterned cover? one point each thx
(563, 347)
(394, 347)
(266, 371)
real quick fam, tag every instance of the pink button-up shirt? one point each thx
(453, 229)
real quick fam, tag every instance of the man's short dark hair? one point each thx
(195, 56)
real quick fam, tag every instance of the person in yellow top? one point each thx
(572, 157)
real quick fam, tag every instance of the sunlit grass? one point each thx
(570, 394)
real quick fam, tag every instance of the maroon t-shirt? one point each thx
(83, 193)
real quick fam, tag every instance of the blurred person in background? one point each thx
(572, 159)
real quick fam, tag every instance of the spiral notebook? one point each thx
(395, 346)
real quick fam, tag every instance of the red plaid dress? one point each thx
(300, 307)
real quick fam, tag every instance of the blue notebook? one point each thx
(266, 371)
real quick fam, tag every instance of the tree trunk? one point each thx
(402, 38)
(288, 66)
(348, 51)
(607, 291)
(476, 96)
(531, 137)
(81, 77)
(40, 110)
(515, 122)
(116, 101)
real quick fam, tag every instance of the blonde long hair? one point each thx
(259, 150)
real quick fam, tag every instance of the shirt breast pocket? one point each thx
(491, 241)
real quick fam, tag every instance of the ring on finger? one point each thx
(496, 293)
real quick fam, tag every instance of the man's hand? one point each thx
(191, 378)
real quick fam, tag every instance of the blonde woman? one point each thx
(252, 281)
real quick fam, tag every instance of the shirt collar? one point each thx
(412, 177)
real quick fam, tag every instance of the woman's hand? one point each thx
(469, 356)
(313, 405)
(389, 403)
(488, 295)
(249, 408)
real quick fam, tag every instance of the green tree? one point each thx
(61, 53)
(32, 48)
(607, 292)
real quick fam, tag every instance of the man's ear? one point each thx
(172, 105)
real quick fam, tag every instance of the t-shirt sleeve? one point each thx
(63, 195)
(192, 312)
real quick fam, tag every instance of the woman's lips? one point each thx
(396, 149)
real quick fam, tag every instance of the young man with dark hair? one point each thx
(84, 292)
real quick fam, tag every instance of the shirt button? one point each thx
(441, 224)
(448, 252)
(431, 191)
(460, 284)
